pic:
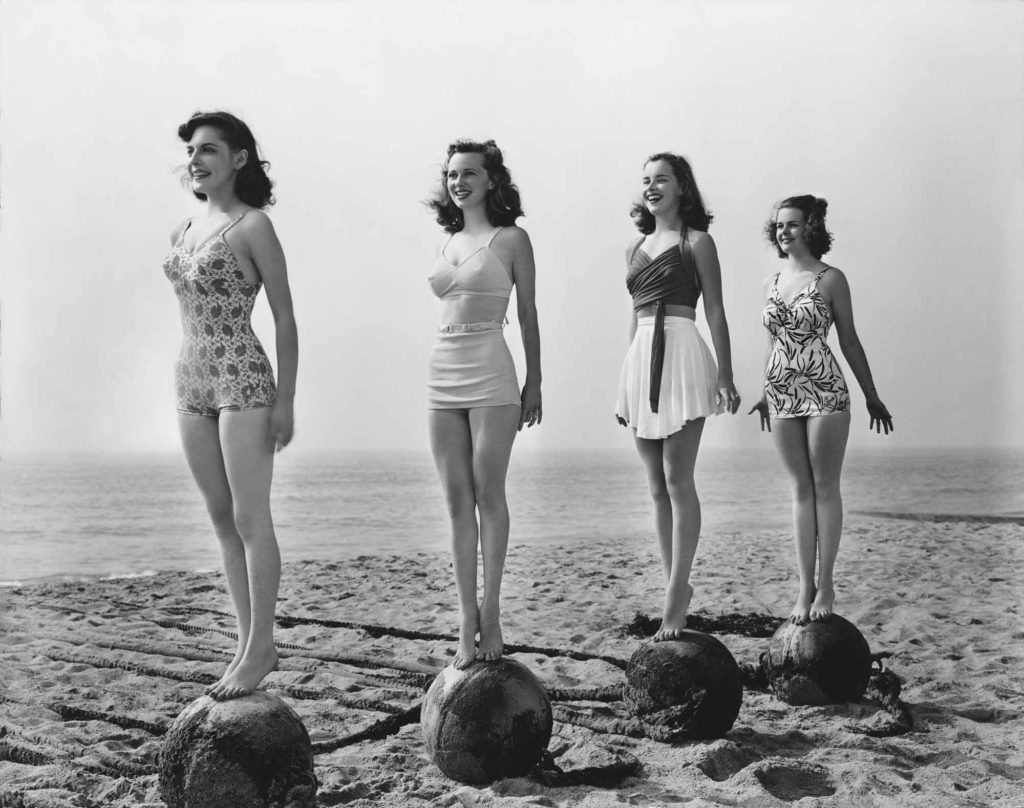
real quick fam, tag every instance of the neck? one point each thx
(669, 223)
(221, 201)
(804, 262)
(475, 220)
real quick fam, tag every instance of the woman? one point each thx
(669, 382)
(805, 404)
(475, 404)
(231, 416)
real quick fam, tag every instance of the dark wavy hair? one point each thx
(819, 240)
(691, 204)
(252, 185)
(502, 205)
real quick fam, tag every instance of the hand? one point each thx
(282, 425)
(531, 411)
(622, 421)
(726, 395)
(880, 418)
(761, 407)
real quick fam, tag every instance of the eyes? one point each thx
(205, 148)
(469, 172)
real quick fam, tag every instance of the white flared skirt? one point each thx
(471, 366)
(688, 380)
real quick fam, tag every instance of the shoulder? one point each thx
(833, 278)
(702, 244)
(256, 222)
(768, 281)
(513, 237)
(178, 230)
(633, 246)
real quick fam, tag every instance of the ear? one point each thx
(240, 158)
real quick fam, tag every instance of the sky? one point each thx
(907, 116)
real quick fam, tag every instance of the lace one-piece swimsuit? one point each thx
(222, 366)
(802, 377)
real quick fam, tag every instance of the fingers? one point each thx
(530, 418)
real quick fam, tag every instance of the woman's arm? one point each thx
(710, 274)
(761, 406)
(524, 275)
(836, 291)
(262, 245)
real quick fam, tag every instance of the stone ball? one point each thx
(695, 672)
(249, 752)
(821, 662)
(489, 721)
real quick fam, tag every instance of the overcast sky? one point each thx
(907, 116)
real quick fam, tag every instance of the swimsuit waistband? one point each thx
(468, 328)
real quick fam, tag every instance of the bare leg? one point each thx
(451, 443)
(670, 463)
(200, 438)
(790, 435)
(827, 436)
(494, 430)
(249, 463)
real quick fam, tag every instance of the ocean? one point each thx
(91, 516)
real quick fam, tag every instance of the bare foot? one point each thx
(673, 621)
(234, 664)
(466, 653)
(801, 613)
(821, 609)
(244, 679)
(492, 644)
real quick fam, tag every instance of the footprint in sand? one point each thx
(791, 781)
(723, 759)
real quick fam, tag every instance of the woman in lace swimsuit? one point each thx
(231, 416)
(670, 382)
(805, 404)
(474, 401)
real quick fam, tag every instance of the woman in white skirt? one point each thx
(474, 400)
(670, 382)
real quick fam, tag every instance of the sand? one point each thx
(93, 673)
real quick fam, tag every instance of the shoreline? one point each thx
(97, 670)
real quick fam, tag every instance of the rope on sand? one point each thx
(744, 625)
(609, 693)
(374, 732)
(656, 727)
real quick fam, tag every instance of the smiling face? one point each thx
(661, 188)
(467, 179)
(791, 231)
(212, 165)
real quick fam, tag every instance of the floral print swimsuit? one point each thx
(802, 377)
(222, 366)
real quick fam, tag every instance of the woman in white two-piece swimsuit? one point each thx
(475, 403)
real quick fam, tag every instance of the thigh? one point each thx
(200, 438)
(826, 441)
(248, 457)
(493, 432)
(790, 437)
(651, 455)
(679, 451)
(451, 444)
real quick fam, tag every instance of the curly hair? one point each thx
(502, 205)
(819, 240)
(252, 185)
(691, 204)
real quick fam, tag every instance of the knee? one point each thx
(681, 489)
(253, 523)
(461, 504)
(803, 489)
(222, 514)
(659, 490)
(826, 489)
(490, 497)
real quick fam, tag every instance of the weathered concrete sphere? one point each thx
(696, 672)
(250, 752)
(821, 662)
(489, 721)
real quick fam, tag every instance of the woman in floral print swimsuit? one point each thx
(805, 404)
(231, 416)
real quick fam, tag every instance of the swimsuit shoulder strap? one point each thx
(233, 222)
(184, 230)
(493, 235)
(636, 247)
(686, 251)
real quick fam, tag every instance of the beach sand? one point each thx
(93, 673)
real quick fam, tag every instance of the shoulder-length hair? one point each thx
(502, 204)
(252, 185)
(819, 240)
(691, 204)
